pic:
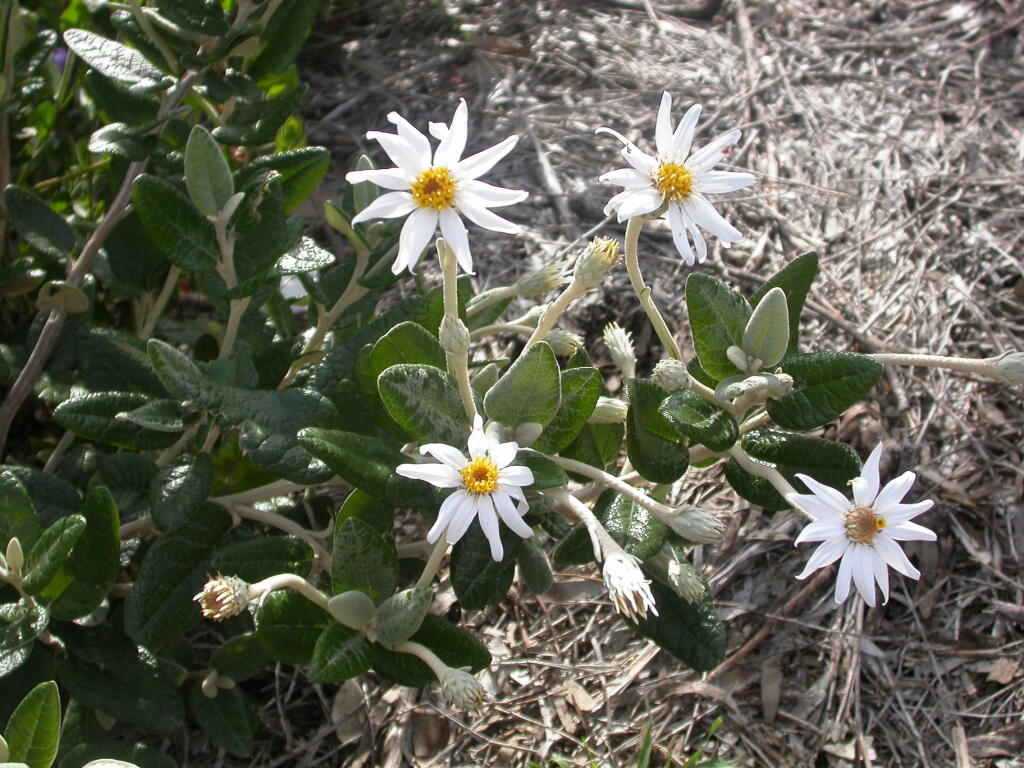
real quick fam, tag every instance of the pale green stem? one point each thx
(269, 491)
(154, 37)
(661, 511)
(572, 292)
(600, 539)
(766, 471)
(226, 269)
(424, 654)
(458, 364)
(288, 526)
(985, 366)
(179, 445)
(289, 581)
(161, 302)
(136, 527)
(53, 461)
(430, 569)
(489, 298)
(643, 291)
(491, 330)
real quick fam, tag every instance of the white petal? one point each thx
(638, 203)
(843, 576)
(900, 513)
(641, 161)
(464, 516)
(881, 572)
(479, 443)
(719, 182)
(616, 199)
(480, 163)
(416, 233)
(891, 552)
(683, 137)
(446, 454)
(707, 217)
(893, 492)
(402, 153)
(698, 239)
(836, 503)
(449, 508)
(865, 487)
(699, 160)
(487, 195)
(504, 454)
(454, 233)
(437, 130)
(489, 525)
(510, 515)
(677, 221)
(439, 475)
(450, 149)
(388, 206)
(626, 177)
(825, 555)
(485, 218)
(412, 135)
(910, 532)
(389, 178)
(516, 475)
(663, 127)
(821, 530)
(864, 573)
(514, 491)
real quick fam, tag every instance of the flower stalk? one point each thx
(457, 356)
(643, 291)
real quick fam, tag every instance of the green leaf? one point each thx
(363, 559)
(203, 16)
(581, 387)
(33, 730)
(597, 445)
(700, 420)
(635, 529)
(425, 402)
(288, 626)
(340, 654)
(406, 343)
(94, 563)
(767, 333)
(207, 174)
(691, 632)
(530, 390)
(19, 627)
(368, 464)
(160, 604)
(455, 647)
(123, 140)
(795, 280)
(128, 476)
(546, 473)
(158, 415)
(834, 464)
(300, 170)
(37, 223)
(174, 225)
(179, 490)
(651, 444)
(718, 316)
(575, 549)
(305, 257)
(282, 37)
(110, 58)
(17, 516)
(824, 385)
(401, 615)
(534, 567)
(259, 558)
(256, 122)
(240, 657)
(92, 416)
(756, 490)
(50, 552)
(477, 579)
(228, 719)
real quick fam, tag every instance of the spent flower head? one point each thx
(486, 482)
(1010, 367)
(620, 346)
(864, 532)
(627, 587)
(461, 690)
(677, 181)
(433, 189)
(697, 525)
(596, 262)
(223, 597)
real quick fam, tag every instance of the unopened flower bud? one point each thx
(627, 587)
(532, 317)
(454, 336)
(461, 690)
(535, 284)
(527, 433)
(223, 597)
(225, 683)
(685, 580)
(563, 343)
(209, 685)
(609, 411)
(15, 556)
(698, 526)
(1010, 367)
(620, 345)
(742, 360)
(671, 375)
(596, 262)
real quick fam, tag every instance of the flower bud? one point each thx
(609, 411)
(671, 375)
(620, 345)
(532, 317)
(596, 262)
(685, 580)
(627, 587)
(461, 690)
(696, 525)
(1010, 367)
(527, 433)
(15, 556)
(454, 336)
(535, 284)
(563, 343)
(223, 597)
(209, 685)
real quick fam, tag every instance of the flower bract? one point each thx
(434, 188)
(488, 487)
(678, 181)
(862, 534)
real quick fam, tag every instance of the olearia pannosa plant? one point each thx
(177, 428)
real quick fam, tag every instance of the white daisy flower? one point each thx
(433, 191)
(863, 532)
(678, 179)
(486, 482)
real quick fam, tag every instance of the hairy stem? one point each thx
(985, 366)
(766, 471)
(458, 362)
(643, 291)
(161, 302)
(572, 292)
(288, 581)
(433, 564)
(661, 511)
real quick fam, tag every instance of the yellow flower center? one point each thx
(480, 476)
(862, 524)
(434, 188)
(674, 181)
